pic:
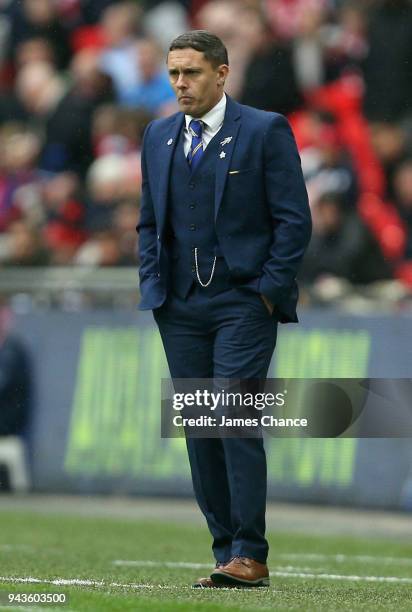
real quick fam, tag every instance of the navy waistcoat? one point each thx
(191, 222)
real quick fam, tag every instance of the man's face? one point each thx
(197, 84)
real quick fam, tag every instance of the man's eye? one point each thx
(175, 75)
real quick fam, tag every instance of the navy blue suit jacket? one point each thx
(262, 217)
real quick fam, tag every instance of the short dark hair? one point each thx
(209, 44)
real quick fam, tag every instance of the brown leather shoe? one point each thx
(242, 571)
(207, 583)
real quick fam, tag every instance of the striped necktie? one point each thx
(196, 148)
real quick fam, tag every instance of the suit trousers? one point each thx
(228, 335)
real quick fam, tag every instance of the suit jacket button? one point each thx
(192, 226)
(191, 185)
(193, 269)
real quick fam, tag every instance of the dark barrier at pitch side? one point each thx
(96, 426)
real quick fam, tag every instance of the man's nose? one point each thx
(181, 81)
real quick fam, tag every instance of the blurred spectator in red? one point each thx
(154, 92)
(120, 26)
(341, 246)
(388, 65)
(403, 200)
(64, 231)
(269, 79)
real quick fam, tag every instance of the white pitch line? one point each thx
(296, 568)
(280, 574)
(82, 582)
(393, 579)
(57, 581)
(342, 558)
(96, 583)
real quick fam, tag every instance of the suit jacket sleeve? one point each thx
(288, 202)
(146, 228)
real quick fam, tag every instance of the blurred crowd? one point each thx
(80, 80)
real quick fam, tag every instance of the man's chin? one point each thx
(187, 106)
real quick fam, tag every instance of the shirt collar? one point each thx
(213, 118)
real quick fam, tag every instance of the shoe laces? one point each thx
(240, 561)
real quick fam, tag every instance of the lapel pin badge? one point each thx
(226, 141)
(222, 155)
(169, 142)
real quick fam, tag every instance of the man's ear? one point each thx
(222, 73)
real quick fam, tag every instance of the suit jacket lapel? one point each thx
(166, 151)
(229, 130)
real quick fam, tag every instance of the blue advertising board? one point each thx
(96, 419)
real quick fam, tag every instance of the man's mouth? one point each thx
(185, 99)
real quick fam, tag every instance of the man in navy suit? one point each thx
(224, 225)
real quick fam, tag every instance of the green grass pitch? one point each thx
(120, 565)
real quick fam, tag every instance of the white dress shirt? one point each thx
(212, 122)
